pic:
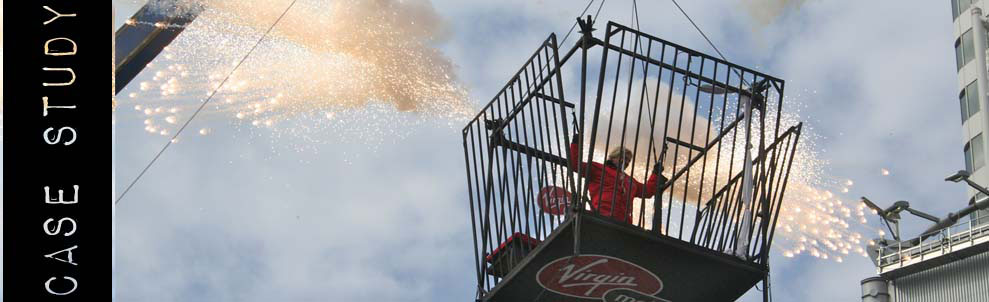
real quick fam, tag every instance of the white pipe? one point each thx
(742, 242)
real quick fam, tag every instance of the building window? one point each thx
(968, 157)
(975, 153)
(959, 55)
(972, 92)
(954, 9)
(968, 46)
(969, 100)
(964, 49)
(959, 6)
(963, 102)
(978, 152)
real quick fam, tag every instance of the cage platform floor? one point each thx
(622, 263)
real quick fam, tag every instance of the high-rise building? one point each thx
(950, 264)
(972, 104)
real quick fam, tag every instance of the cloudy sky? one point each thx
(242, 217)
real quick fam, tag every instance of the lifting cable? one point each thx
(699, 30)
(767, 286)
(574, 254)
(637, 24)
(575, 23)
(638, 38)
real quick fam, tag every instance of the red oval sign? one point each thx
(554, 200)
(591, 276)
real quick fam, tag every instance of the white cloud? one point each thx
(254, 231)
(393, 225)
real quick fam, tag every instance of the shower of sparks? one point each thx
(326, 66)
(347, 66)
(819, 217)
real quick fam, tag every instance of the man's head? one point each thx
(620, 157)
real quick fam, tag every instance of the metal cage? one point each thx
(668, 105)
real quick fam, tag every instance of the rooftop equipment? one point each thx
(939, 244)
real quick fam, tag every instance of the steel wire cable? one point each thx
(203, 105)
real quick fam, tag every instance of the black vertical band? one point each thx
(57, 248)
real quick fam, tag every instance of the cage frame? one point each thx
(772, 161)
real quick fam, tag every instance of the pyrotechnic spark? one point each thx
(326, 61)
(345, 66)
(816, 214)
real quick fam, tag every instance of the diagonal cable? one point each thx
(574, 254)
(575, 23)
(699, 30)
(203, 105)
(709, 42)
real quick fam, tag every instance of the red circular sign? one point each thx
(591, 276)
(554, 200)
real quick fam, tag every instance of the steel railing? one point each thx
(936, 244)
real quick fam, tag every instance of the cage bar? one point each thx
(536, 160)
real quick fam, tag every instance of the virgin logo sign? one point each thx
(591, 276)
(554, 200)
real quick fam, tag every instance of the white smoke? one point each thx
(362, 70)
(684, 122)
(346, 52)
(639, 132)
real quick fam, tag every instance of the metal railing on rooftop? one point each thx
(961, 235)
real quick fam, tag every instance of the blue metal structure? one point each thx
(144, 36)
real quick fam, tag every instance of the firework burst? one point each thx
(326, 63)
(818, 217)
(330, 65)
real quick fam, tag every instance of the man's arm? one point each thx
(655, 181)
(574, 151)
(582, 169)
(499, 139)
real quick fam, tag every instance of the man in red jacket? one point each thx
(611, 189)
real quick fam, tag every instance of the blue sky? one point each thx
(241, 216)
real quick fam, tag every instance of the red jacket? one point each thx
(611, 195)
